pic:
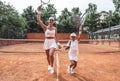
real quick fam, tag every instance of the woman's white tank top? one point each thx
(49, 33)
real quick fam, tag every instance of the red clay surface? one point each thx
(27, 62)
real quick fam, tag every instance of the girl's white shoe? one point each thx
(72, 71)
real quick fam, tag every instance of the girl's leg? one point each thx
(72, 63)
(70, 66)
(72, 69)
(75, 64)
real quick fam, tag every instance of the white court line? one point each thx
(57, 64)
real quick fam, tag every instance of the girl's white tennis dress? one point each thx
(73, 51)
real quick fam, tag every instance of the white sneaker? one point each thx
(52, 70)
(72, 71)
(49, 67)
(69, 69)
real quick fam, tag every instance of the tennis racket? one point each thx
(44, 2)
(82, 20)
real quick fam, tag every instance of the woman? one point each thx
(50, 42)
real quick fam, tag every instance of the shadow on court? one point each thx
(81, 78)
(108, 52)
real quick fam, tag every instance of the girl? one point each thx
(72, 45)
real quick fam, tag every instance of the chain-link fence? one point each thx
(109, 34)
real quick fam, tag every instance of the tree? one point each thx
(47, 12)
(76, 18)
(113, 18)
(109, 19)
(117, 5)
(116, 14)
(65, 22)
(12, 25)
(30, 15)
(92, 19)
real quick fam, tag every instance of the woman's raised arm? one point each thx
(39, 19)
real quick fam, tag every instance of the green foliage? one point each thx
(117, 5)
(30, 15)
(91, 23)
(12, 25)
(116, 18)
(76, 18)
(116, 14)
(65, 22)
(47, 12)
(92, 19)
(112, 19)
(76, 11)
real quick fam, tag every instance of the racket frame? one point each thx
(43, 3)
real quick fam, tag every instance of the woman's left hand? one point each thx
(39, 8)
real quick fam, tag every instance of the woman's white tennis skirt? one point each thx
(50, 43)
(71, 57)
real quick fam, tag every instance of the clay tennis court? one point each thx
(27, 62)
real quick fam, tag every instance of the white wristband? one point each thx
(58, 43)
(80, 32)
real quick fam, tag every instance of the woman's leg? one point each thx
(47, 54)
(51, 56)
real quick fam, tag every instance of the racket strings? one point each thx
(44, 2)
